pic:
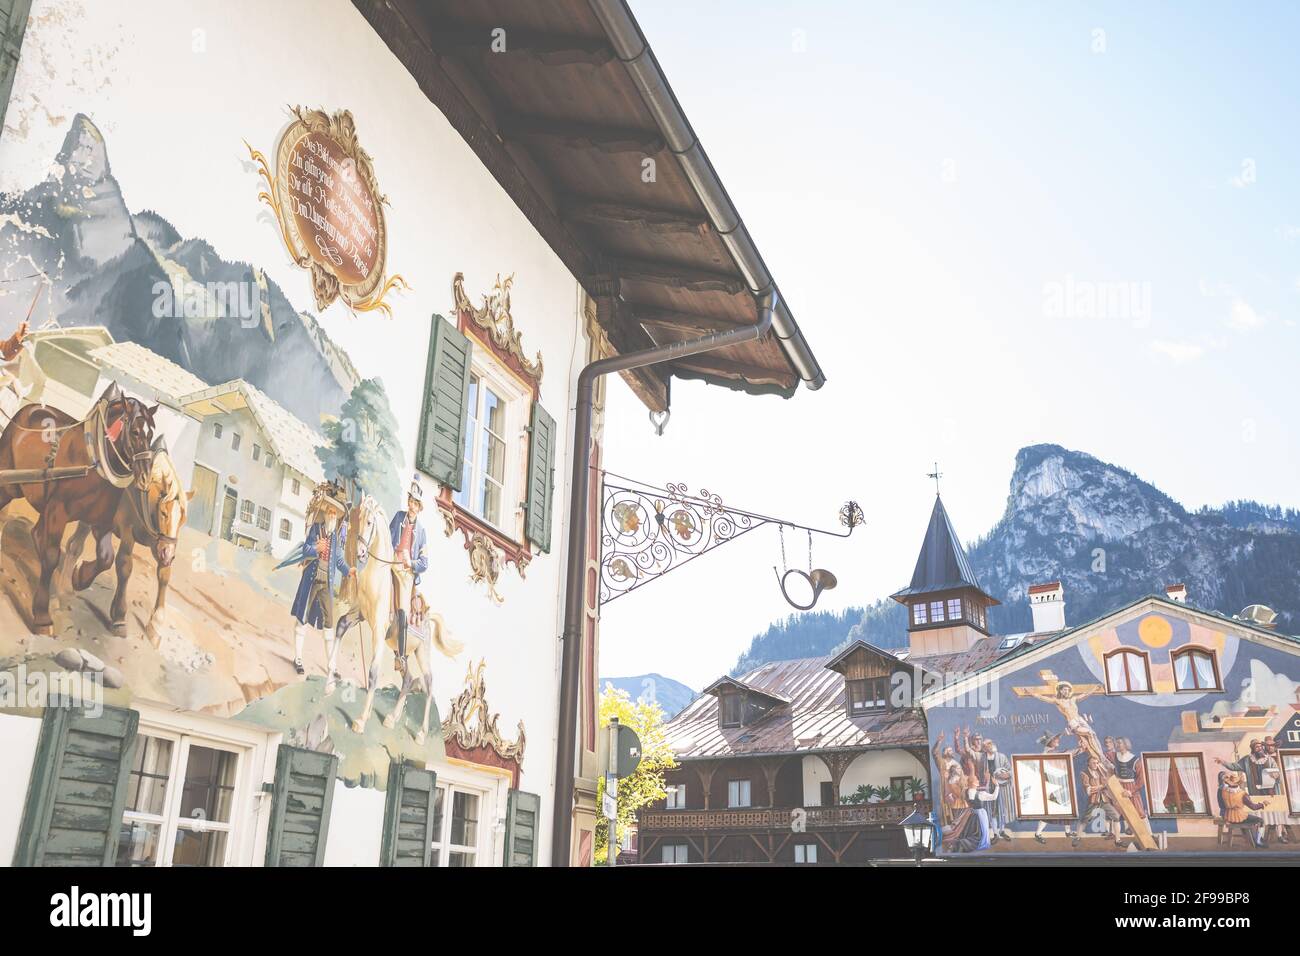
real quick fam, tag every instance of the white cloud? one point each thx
(1178, 352)
(1243, 318)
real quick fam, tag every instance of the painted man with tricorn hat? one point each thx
(410, 559)
(322, 560)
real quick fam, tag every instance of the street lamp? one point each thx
(919, 832)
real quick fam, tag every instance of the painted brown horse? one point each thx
(154, 518)
(120, 430)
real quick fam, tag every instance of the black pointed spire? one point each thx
(942, 564)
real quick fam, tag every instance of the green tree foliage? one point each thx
(646, 785)
(363, 449)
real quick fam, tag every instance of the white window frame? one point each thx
(676, 796)
(806, 850)
(679, 853)
(250, 806)
(518, 406)
(490, 785)
(735, 790)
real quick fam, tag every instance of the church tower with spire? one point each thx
(947, 610)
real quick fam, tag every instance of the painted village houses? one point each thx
(287, 405)
(1157, 727)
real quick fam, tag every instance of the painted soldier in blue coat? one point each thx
(410, 559)
(323, 561)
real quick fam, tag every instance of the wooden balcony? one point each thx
(778, 818)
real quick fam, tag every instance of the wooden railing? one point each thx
(778, 818)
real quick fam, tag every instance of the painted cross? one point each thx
(1065, 696)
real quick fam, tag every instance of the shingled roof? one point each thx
(942, 564)
(813, 720)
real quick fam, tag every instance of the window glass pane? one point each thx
(1291, 773)
(1204, 670)
(494, 413)
(209, 784)
(1182, 672)
(464, 819)
(1137, 672)
(954, 609)
(936, 611)
(1030, 787)
(1115, 677)
(1057, 774)
(199, 849)
(918, 614)
(146, 788)
(462, 497)
(459, 858)
(138, 843)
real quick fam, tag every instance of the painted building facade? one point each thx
(212, 231)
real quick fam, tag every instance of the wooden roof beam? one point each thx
(594, 212)
(709, 364)
(606, 139)
(678, 277)
(552, 49)
(684, 321)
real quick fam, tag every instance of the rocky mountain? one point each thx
(137, 276)
(671, 695)
(1110, 537)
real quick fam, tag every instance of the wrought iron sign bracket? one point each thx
(647, 531)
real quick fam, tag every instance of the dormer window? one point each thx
(733, 710)
(867, 696)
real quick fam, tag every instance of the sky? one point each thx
(997, 225)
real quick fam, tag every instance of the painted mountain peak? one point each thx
(1108, 536)
(105, 264)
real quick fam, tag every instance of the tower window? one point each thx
(919, 615)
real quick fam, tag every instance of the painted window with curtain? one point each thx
(1176, 784)
(1127, 672)
(1194, 669)
(1291, 775)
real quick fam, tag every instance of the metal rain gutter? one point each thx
(575, 598)
(630, 46)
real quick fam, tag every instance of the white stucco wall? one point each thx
(177, 89)
(18, 736)
(356, 826)
(874, 767)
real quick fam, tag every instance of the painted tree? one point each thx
(363, 449)
(646, 785)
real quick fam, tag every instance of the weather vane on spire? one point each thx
(936, 475)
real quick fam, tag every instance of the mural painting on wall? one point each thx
(1157, 733)
(212, 447)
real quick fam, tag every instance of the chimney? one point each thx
(1047, 602)
(1176, 593)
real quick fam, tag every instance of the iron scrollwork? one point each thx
(646, 531)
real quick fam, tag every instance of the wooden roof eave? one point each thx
(659, 254)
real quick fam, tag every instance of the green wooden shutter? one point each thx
(521, 828)
(441, 450)
(300, 807)
(13, 23)
(541, 478)
(73, 813)
(408, 816)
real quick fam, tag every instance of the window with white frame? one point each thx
(738, 793)
(936, 612)
(954, 609)
(1291, 778)
(673, 853)
(286, 529)
(918, 614)
(805, 852)
(181, 801)
(1195, 669)
(1127, 672)
(458, 825)
(1044, 788)
(493, 408)
(264, 518)
(676, 796)
(246, 510)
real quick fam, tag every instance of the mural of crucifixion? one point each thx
(1065, 697)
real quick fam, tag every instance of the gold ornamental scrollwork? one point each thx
(494, 318)
(330, 211)
(472, 724)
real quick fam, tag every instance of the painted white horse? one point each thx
(425, 627)
(370, 548)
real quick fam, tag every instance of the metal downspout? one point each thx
(577, 526)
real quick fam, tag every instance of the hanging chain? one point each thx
(810, 552)
(781, 529)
